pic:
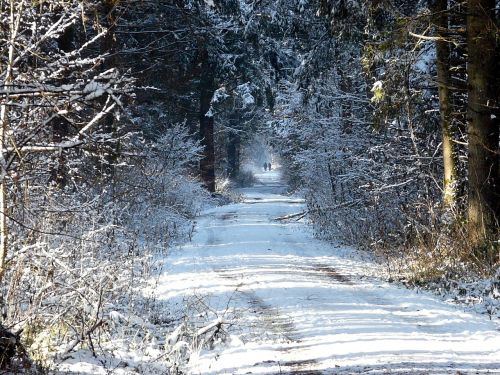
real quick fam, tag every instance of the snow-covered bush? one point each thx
(366, 186)
(92, 250)
(63, 279)
(162, 194)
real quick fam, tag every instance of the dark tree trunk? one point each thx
(60, 126)
(60, 130)
(482, 118)
(108, 46)
(440, 18)
(207, 87)
(332, 182)
(233, 155)
(457, 17)
(346, 90)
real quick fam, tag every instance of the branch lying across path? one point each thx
(297, 216)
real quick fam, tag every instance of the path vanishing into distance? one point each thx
(287, 303)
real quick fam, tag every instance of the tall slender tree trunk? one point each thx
(207, 87)
(4, 120)
(345, 103)
(332, 180)
(3, 193)
(440, 18)
(457, 16)
(482, 119)
(60, 126)
(108, 46)
(233, 154)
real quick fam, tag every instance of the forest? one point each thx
(121, 121)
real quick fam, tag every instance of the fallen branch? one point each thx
(217, 323)
(297, 216)
(214, 328)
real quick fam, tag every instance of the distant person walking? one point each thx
(265, 166)
(269, 166)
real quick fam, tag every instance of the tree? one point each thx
(207, 90)
(71, 141)
(483, 120)
(42, 111)
(441, 19)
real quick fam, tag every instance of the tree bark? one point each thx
(207, 87)
(108, 46)
(482, 119)
(440, 19)
(60, 126)
(4, 120)
(233, 155)
(345, 102)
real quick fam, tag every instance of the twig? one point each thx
(79, 339)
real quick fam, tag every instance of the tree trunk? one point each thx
(482, 119)
(457, 95)
(60, 126)
(60, 130)
(207, 87)
(332, 181)
(233, 155)
(108, 46)
(440, 19)
(4, 119)
(345, 102)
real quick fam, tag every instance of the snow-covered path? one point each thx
(292, 304)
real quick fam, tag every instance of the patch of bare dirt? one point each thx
(333, 274)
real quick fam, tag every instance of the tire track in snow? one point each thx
(282, 330)
(302, 310)
(284, 327)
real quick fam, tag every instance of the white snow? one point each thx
(245, 91)
(210, 112)
(377, 85)
(289, 303)
(219, 95)
(94, 90)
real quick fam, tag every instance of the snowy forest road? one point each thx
(292, 304)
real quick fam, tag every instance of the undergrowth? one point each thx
(444, 260)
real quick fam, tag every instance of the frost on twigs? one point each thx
(78, 295)
(76, 282)
(91, 201)
(205, 324)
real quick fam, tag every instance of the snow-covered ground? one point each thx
(288, 303)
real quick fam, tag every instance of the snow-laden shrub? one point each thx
(165, 197)
(62, 281)
(361, 186)
(370, 164)
(85, 251)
